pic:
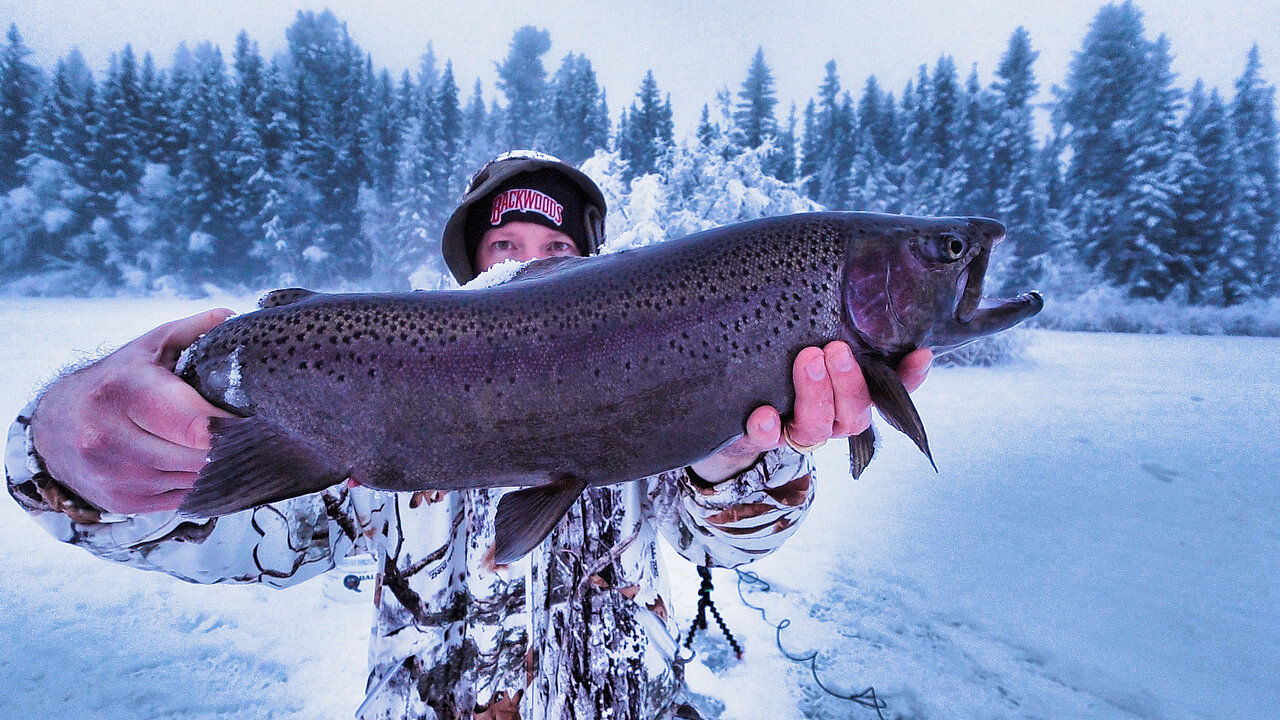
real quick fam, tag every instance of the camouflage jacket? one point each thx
(581, 628)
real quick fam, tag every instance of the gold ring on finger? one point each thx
(786, 437)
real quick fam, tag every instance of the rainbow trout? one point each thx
(581, 371)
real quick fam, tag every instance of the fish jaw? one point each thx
(991, 317)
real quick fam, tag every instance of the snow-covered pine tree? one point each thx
(810, 149)
(215, 249)
(249, 81)
(522, 78)
(59, 204)
(413, 235)
(1117, 113)
(976, 141)
(381, 133)
(707, 131)
(20, 84)
(155, 141)
(1147, 240)
(118, 159)
(648, 132)
(478, 133)
(829, 157)
(58, 130)
(580, 114)
(328, 105)
(933, 155)
(782, 162)
(1254, 121)
(446, 178)
(1215, 262)
(1020, 195)
(753, 116)
(869, 187)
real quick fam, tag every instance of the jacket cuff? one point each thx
(32, 486)
(774, 469)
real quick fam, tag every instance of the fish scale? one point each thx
(579, 371)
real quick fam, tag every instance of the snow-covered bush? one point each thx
(699, 188)
(1107, 309)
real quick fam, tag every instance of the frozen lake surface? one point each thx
(1101, 541)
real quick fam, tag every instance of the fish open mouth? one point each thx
(977, 315)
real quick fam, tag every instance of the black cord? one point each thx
(867, 698)
(705, 603)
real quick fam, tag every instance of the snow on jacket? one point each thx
(581, 628)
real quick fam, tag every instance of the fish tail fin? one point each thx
(251, 463)
(862, 447)
(525, 517)
(891, 398)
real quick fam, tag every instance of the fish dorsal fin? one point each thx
(252, 463)
(285, 296)
(862, 447)
(544, 267)
(525, 517)
(890, 397)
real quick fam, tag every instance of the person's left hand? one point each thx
(831, 402)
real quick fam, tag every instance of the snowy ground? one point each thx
(1102, 542)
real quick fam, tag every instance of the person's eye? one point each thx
(500, 245)
(559, 246)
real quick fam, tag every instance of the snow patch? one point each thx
(315, 254)
(496, 275)
(234, 394)
(200, 242)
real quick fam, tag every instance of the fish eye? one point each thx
(953, 247)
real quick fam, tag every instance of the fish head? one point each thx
(914, 282)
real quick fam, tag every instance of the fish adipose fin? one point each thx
(286, 296)
(251, 463)
(890, 397)
(861, 449)
(527, 516)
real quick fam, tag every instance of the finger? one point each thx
(171, 409)
(852, 401)
(167, 341)
(137, 455)
(914, 368)
(764, 430)
(815, 403)
(160, 502)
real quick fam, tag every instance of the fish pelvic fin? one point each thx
(894, 403)
(861, 449)
(285, 296)
(525, 517)
(253, 462)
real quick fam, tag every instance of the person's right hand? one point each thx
(125, 433)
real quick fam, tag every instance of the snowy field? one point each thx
(1102, 541)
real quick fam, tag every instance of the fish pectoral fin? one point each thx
(251, 463)
(892, 400)
(525, 517)
(285, 296)
(862, 447)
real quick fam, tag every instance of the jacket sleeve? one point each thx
(736, 521)
(279, 544)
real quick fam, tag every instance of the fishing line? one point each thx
(867, 698)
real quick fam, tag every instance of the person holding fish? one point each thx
(581, 626)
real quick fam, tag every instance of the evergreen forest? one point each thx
(318, 168)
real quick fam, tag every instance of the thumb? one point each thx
(166, 342)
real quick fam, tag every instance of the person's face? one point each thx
(521, 241)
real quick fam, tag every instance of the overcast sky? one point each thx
(693, 47)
